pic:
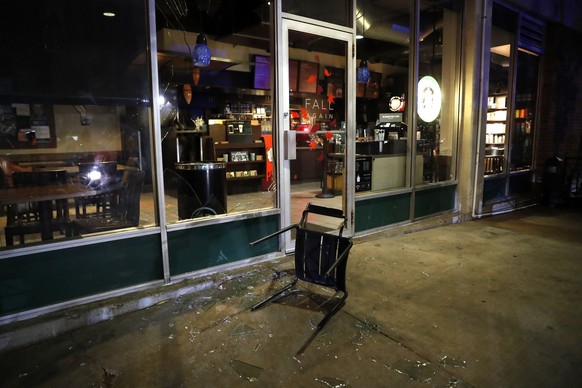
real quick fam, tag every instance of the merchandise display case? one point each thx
(496, 133)
(245, 165)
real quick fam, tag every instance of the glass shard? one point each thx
(246, 371)
(416, 370)
(332, 382)
(242, 329)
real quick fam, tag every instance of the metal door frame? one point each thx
(283, 138)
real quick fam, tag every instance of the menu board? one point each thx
(262, 79)
(308, 73)
(262, 75)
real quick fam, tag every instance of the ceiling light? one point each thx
(109, 14)
(504, 50)
(201, 52)
(363, 73)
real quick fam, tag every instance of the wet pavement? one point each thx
(487, 303)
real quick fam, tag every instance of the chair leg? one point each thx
(333, 311)
(9, 237)
(270, 298)
(299, 355)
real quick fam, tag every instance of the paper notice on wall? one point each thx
(41, 131)
(22, 109)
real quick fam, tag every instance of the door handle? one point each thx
(290, 145)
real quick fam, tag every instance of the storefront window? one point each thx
(383, 47)
(74, 120)
(437, 107)
(383, 104)
(216, 117)
(516, 46)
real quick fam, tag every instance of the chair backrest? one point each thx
(4, 180)
(7, 168)
(129, 196)
(29, 212)
(337, 215)
(39, 178)
(317, 252)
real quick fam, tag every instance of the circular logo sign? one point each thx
(429, 99)
(396, 104)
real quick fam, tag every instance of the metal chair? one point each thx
(23, 219)
(125, 210)
(320, 258)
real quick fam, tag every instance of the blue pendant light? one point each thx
(363, 73)
(201, 52)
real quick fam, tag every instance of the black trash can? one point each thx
(201, 189)
(553, 181)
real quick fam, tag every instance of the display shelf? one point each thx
(244, 178)
(243, 174)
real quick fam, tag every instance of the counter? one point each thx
(389, 171)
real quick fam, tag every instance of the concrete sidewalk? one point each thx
(488, 303)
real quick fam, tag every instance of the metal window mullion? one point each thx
(156, 146)
(412, 93)
(510, 123)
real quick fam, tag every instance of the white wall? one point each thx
(101, 134)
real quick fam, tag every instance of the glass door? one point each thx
(314, 125)
(526, 87)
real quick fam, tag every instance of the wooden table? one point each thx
(43, 196)
(72, 170)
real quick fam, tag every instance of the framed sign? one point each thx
(308, 73)
(239, 156)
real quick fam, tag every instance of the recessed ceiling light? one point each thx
(109, 14)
